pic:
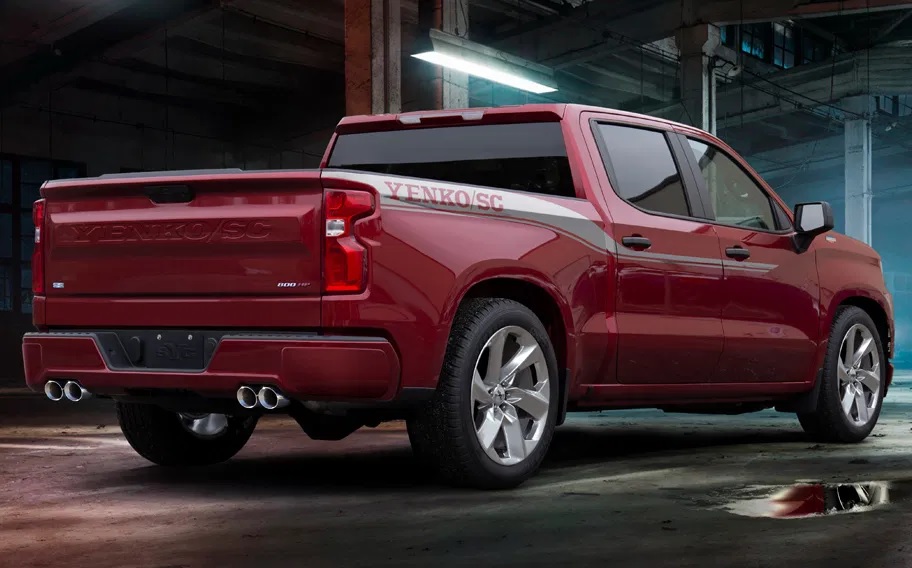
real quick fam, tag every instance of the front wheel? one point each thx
(851, 392)
(178, 439)
(493, 415)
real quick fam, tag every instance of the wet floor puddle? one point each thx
(804, 500)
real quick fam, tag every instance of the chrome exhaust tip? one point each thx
(247, 397)
(271, 399)
(53, 390)
(74, 392)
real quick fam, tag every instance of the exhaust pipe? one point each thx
(53, 390)
(247, 397)
(270, 399)
(74, 392)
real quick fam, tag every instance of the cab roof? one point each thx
(551, 112)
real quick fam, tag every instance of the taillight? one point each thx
(345, 259)
(38, 253)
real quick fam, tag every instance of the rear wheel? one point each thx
(851, 392)
(179, 439)
(494, 412)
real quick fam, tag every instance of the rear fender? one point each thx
(505, 269)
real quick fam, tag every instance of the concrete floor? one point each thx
(639, 488)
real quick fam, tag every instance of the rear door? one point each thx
(242, 234)
(669, 270)
(770, 291)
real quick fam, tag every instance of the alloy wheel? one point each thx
(858, 369)
(510, 395)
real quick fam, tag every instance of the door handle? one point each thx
(636, 241)
(739, 253)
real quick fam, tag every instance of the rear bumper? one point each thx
(302, 367)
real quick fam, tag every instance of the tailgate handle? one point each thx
(170, 193)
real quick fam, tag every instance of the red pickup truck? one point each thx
(477, 273)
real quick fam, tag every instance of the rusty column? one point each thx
(373, 56)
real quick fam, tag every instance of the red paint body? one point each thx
(631, 331)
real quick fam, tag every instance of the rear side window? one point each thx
(524, 157)
(642, 169)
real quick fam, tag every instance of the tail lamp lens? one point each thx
(345, 258)
(38, 252)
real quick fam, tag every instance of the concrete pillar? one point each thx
(373, 56)
(858, 170)
(455, 15)
(447, 88)
(698, 80)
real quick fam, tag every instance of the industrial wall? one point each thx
(891, 227)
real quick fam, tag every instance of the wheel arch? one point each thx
(547, 305)
(871, 305)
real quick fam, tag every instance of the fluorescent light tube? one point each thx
(483, 71)
(461, 54)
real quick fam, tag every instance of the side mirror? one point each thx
(812, 219)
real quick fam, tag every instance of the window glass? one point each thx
(26, 289)
(783, 45)
(752, 40)
(6, 236)
(33, 174)
(28, 236)
(735, 198)
(523, 157)
(67, 172)
(6, 299)
(643, 170)
(6, 182)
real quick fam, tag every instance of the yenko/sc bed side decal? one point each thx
(413, 194)
(421, 194)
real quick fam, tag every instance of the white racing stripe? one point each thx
(430, 196)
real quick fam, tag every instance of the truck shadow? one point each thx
(575, 446)
(395, 468)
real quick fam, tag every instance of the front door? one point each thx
(770, 312)
(669, 271)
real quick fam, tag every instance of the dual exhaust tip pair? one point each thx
(267, 398)
(71, 390)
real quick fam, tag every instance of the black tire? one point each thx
(158, 435)
(828, 422)
(443, 434)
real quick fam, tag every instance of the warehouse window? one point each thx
(813, 48)
(783, 45)
(753, 40)
(728, 35)
(20, 184)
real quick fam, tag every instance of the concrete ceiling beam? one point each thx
(882, 71)
(42, 36)
(590, 25)
(320, 19)
(119, 35)
(241, 33)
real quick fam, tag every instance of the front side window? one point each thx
(642, 169)
(736, 199)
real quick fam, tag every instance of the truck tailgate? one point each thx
(244, 233)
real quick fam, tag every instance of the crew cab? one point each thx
(478, 273)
